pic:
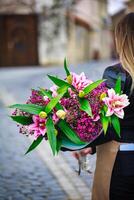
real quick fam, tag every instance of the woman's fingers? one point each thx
(84, 152)
(76, 155)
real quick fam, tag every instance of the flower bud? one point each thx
(42, 114)
(69, 79)
(81, 93)
(61, 114)
(103, 95)
(56, 132)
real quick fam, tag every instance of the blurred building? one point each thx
(89, 36)
(45, 31)
(18, 33)
(82, 32)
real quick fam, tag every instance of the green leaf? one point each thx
(35, 144)
(85, 106)
(58, 82)
(116, 124)
(29, 108)
(105, 108)
(59, 106)
(67, 143)
(69, 132)
(60, 89)
(105, 123)
(22, 120)
(54, 101)
(59, 144)
(47, 93)
(118, 86)
(66, 67)
(102, 112)
(51, 135)
(92, 86)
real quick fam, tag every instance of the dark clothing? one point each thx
(124, 164)
(122, 188)
(122, 180)
(127, 124)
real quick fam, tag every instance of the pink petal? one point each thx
(82, 76)
(111, 93)
(36, 135)
(53, 89)
(55, 118)
(96, 118)
(107, 100)
(35, 118)
(109, 112)
(54, 94)
(120, 114)
(80, 81)
(42, 131)
(124, 99)
(45, 98)
(32, 127)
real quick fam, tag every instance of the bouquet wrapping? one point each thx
(72, 113)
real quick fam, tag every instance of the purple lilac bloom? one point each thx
(37, 99)
(86, 127)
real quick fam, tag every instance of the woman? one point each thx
(114, 174)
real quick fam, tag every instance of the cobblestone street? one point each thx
(38, 175)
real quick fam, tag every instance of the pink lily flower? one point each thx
(72, 93)
(80, 81)
(53, 89)
(116, 103)
(55, 118)
(38, 127)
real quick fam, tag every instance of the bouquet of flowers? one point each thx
(72, 113)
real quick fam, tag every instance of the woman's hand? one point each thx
(79, 155)
(83, 152)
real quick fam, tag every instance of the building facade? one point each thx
(89, 31)
(83, 32)
(45, 31)
(18, 33)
